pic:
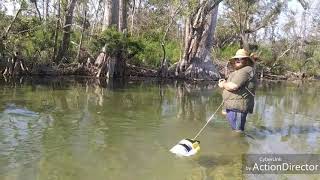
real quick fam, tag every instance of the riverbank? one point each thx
(138, 72)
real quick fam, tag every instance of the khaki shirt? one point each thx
(241, 99)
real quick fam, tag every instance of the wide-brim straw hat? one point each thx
(242, 53)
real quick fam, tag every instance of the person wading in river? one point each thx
(238, 90)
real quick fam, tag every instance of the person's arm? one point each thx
(229, 86)
(238, 80)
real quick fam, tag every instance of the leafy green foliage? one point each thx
(227, 52)
(266, 55)
(116, 43)
(141, 50)
(31, 38)
(141, 45)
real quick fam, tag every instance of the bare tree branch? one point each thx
(12, 22)
(214, 4)
(304, 4)
(166, 32)
(267, 19)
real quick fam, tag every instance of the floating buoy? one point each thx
(186, 147)
(189, 147)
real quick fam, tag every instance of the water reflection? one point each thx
(82, 128)
(18, 111)
(263, 132)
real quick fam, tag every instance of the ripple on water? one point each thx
(20, 137)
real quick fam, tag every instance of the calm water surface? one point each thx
(78, 129)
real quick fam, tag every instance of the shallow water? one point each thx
(84, 129)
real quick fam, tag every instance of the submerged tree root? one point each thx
(15, 67)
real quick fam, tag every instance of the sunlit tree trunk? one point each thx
(196, 62)
(111, 14)
(107, 17)
(132, 16)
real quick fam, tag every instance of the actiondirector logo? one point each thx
(281, 164)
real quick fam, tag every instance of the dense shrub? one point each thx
(141, 50)
(226, 53)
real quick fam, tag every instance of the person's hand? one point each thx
(224, 112)
(221, 82)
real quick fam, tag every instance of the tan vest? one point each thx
(241, 99)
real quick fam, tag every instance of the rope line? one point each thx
(208, 121)
(215, 114)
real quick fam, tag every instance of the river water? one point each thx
(79, 129)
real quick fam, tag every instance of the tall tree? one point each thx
(163, 71)
(84, 22)
(113, 65)
(122, 23)
(111, 13)
(196, 62)
(115, 14)
(133, 12)
(66, 32)
(47, 9)
(56, 31)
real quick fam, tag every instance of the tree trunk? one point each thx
(244, 41)
(115, 13)
(196, 62)
(15, 67)
(56, 32)
(107, 17)
(6, 32)
(47, 9)
(111, 14)
(163, 71)
(110, 66)
(132, 16)
(186, 30)
(113, 65)
(82, 32)
(44, 9)
(122, 15)
(37, 9)
(66, 32)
